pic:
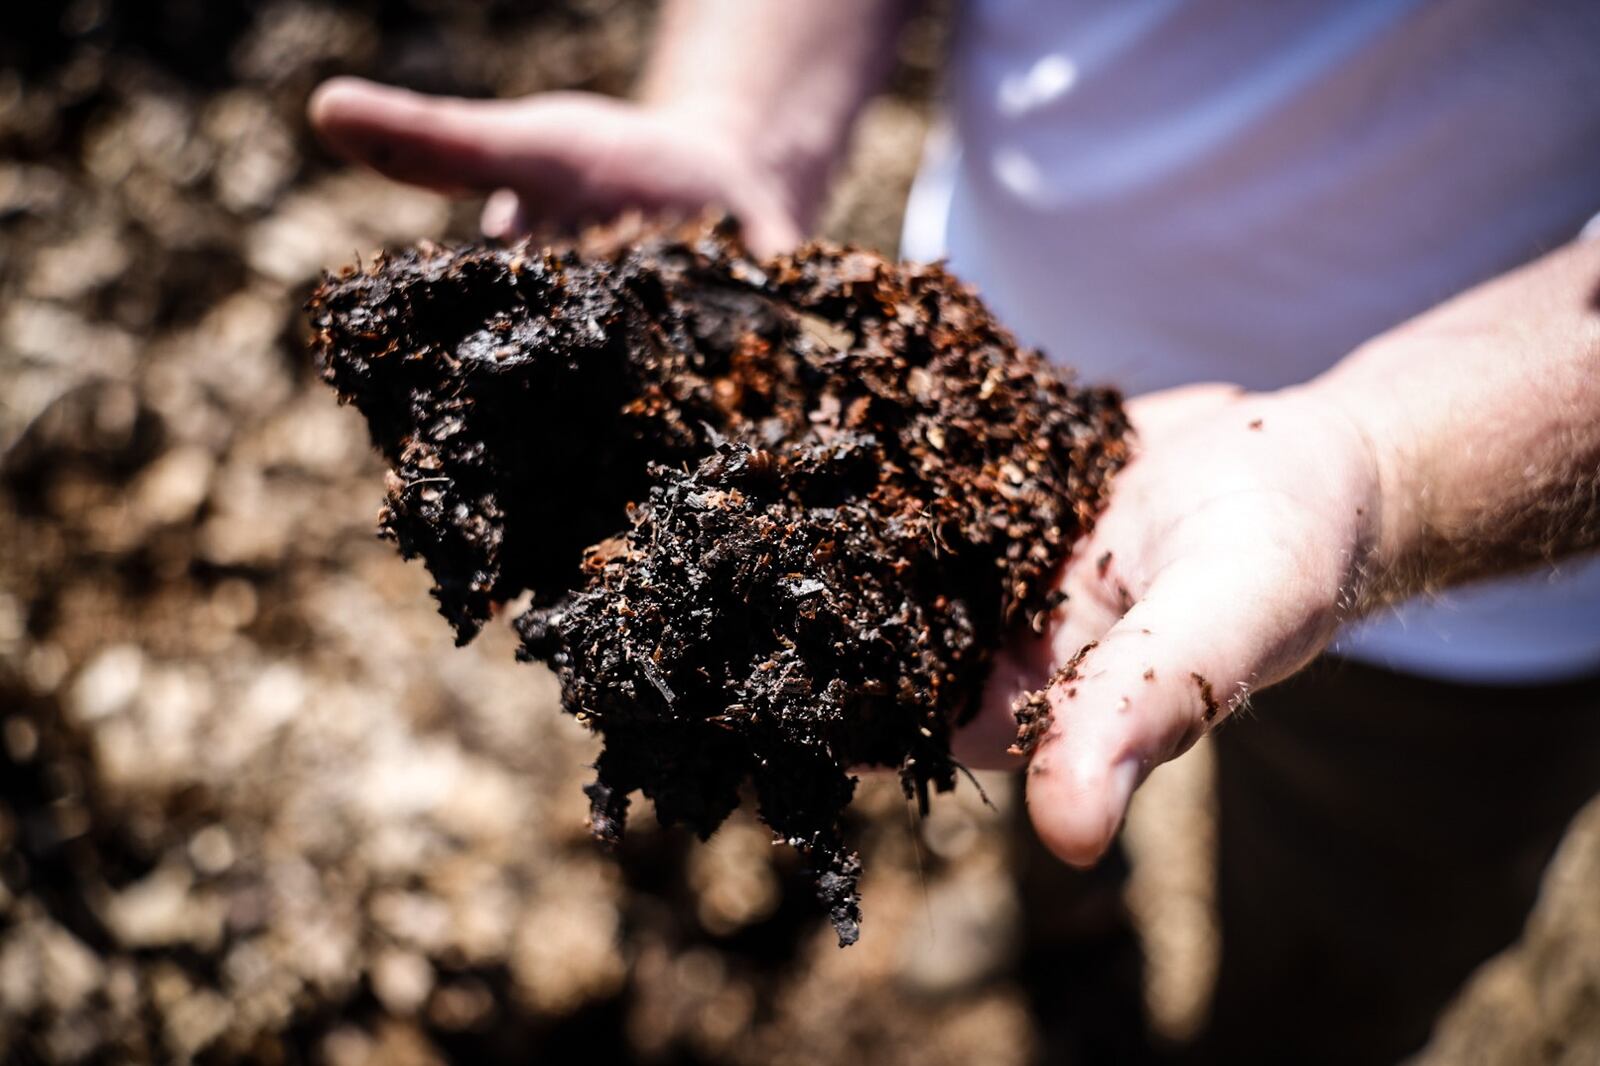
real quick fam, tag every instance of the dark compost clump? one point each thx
(774, 515)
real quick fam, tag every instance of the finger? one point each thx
(439, 142)
(768, 227)
(1181, 659)
(502, 214)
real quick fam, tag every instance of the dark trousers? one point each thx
(1380, 836)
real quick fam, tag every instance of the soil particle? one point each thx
(1032, 710)
(1207, 698)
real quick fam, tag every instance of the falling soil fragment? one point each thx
(774, 515)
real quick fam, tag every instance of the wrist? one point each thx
(1391, 524)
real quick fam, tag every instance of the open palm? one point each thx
(560, 158)
(1232, 548)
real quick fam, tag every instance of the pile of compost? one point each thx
(774, 516)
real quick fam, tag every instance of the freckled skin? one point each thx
(775, 514)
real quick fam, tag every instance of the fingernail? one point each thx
(1124, 777)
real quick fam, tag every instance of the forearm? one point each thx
(1484, 420)
(784, 78)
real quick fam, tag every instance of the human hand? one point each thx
(560, 157)
(1235, 543)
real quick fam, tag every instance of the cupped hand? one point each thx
(561, 158)
(1235, 543)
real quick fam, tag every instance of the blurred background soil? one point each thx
(255, 806)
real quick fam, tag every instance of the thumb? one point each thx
(1178, 662)
(443, 143)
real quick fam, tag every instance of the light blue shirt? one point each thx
(1161, 192)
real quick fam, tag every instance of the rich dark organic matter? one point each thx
(774, 516)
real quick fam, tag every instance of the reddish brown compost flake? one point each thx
(774, 515)
(1208, 698)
